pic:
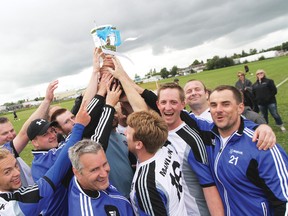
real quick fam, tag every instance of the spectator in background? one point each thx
(265, 91)
(176, 81)
(15, 116)
(196, 97)
(246, 68)
(245, 86)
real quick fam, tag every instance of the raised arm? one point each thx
(91, 89)
(104, 127)
(21, 140)
(59, 169)
(134, 98)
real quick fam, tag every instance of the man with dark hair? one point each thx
(7, 131)
(250, 181)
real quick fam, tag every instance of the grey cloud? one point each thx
(41, 41)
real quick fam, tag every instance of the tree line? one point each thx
(214, 63)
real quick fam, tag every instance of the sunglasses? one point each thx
(259, 73)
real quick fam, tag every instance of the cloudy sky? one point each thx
(41, 41)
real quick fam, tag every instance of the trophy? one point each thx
(106, 37)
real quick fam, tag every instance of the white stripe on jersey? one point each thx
(25, 190)
(85, 204)
(92, 104)
(281, 170)
(199, 142)
(102, 121)
(248, 132)
(142, 184)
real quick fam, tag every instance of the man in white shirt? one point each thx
(196, 96)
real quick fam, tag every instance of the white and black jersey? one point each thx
(157, 185)
(192, 152)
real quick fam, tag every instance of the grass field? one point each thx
(277, 69)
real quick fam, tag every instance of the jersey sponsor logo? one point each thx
(111, 210)
(234, 156)
(232, 151)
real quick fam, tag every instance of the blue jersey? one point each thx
(43, 160)
(108, 202)
(26, 200)
(25, 170)
(33, 199)
(250, 181)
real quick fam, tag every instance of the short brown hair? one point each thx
(236, 93)
(3, 120)
(149, 128)
(4, 153)
(57, 113)
(172, 86)
(195, 80)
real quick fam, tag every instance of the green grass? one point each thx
(276, 69)
(23, 115)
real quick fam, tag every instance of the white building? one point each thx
(255, 57)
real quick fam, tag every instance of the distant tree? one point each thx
(196, 62)
(148, 75)
(262, 51)
(261, 58)
(21, 101)
(244, 54)
(253, 51)
(9, 104)
(217, 62)
(164, 73)
(285, 46)
(192, 71)
(154, 72)
(174, 71)
(211, 63)
(235, 56)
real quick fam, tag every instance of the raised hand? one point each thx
(82, 116)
